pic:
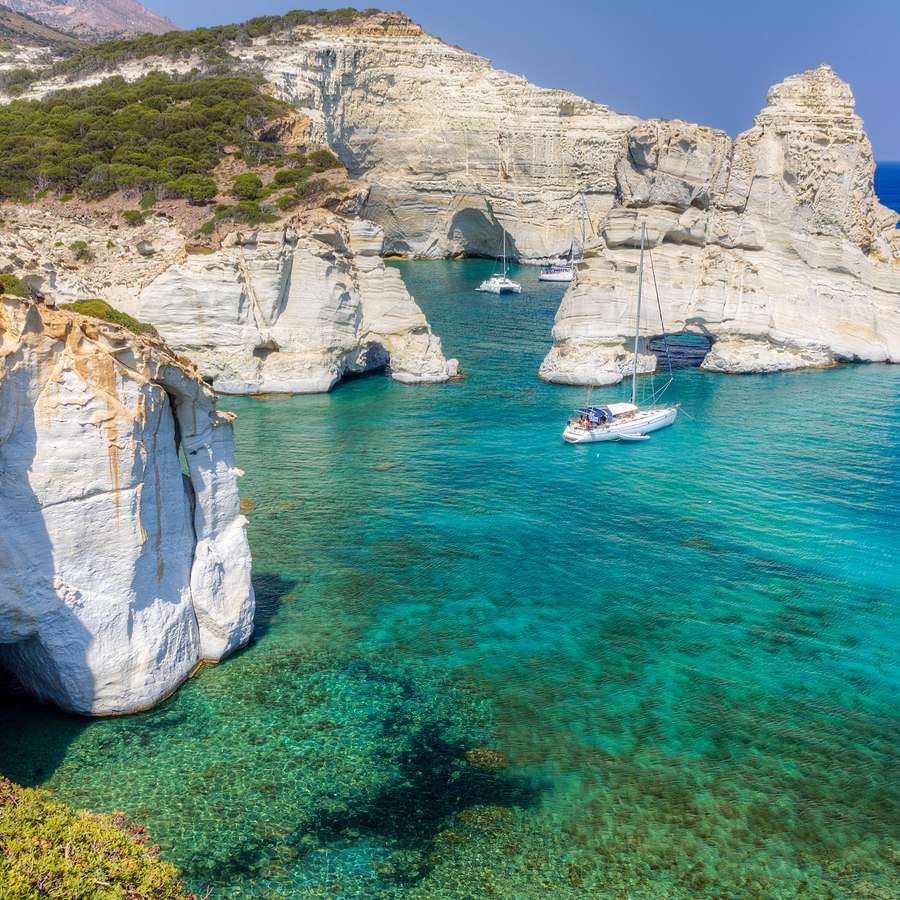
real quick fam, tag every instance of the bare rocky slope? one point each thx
(17, 28)
(95, 19)
(117, 574)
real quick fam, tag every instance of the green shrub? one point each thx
(196, 188)
(114, 135)
(100, 309)
(247, 212)
(315, 187)
(48, 850)
(148, 200)
(81, 250)
(247, 187)
(288, 202)
(134, 216)
(10, 284)
(286, 177)
(324, 159)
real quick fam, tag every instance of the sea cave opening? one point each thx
(686, 350)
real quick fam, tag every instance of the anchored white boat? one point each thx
(500, 284)
(564, 271)
(623, 421)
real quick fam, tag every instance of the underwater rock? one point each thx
(485, 758)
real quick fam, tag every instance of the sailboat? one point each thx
(623, 421)
(564, 270)
(500, 284)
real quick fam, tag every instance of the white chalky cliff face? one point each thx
(774, 246)
(290, 312)
(454, 151)
(285, 309)
(117, 574)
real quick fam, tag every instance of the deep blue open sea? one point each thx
(887, 184)
(489, 664)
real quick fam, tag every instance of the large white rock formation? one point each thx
(774, 246)
(291, 309)
(117, 573)
(454, 151)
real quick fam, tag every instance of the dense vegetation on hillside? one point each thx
(47, 850)
(161, 136)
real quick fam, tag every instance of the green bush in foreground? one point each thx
(100, 309)
(48, 850)
(134, 217)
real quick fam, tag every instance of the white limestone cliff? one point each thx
(286, 309)
(775, 246)
(453, 150)
(117, 573)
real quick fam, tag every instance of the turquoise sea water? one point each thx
(489, 664)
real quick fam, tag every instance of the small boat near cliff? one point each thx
(624, 421)
(500, 283)
(563, 271)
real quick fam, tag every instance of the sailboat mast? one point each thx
(504, 253)
(583, 217)
(637, 327)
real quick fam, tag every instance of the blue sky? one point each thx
(703, 61)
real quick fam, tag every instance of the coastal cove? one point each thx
(488, 663)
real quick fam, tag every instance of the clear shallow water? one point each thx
(686, 649)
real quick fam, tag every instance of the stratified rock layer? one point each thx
(774, 246)
(454, 150)
(117, 573)
(280, 310)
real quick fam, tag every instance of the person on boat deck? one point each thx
(580, 421)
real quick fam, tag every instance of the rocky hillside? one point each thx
(95, 19)
(776, 227)
(290, 307)
(219, 205)
(19, 29)
(117, 574)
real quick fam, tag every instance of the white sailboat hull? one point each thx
(644, 422)
(566, 275)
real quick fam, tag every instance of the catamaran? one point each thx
(624, 421)
(500, 284)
